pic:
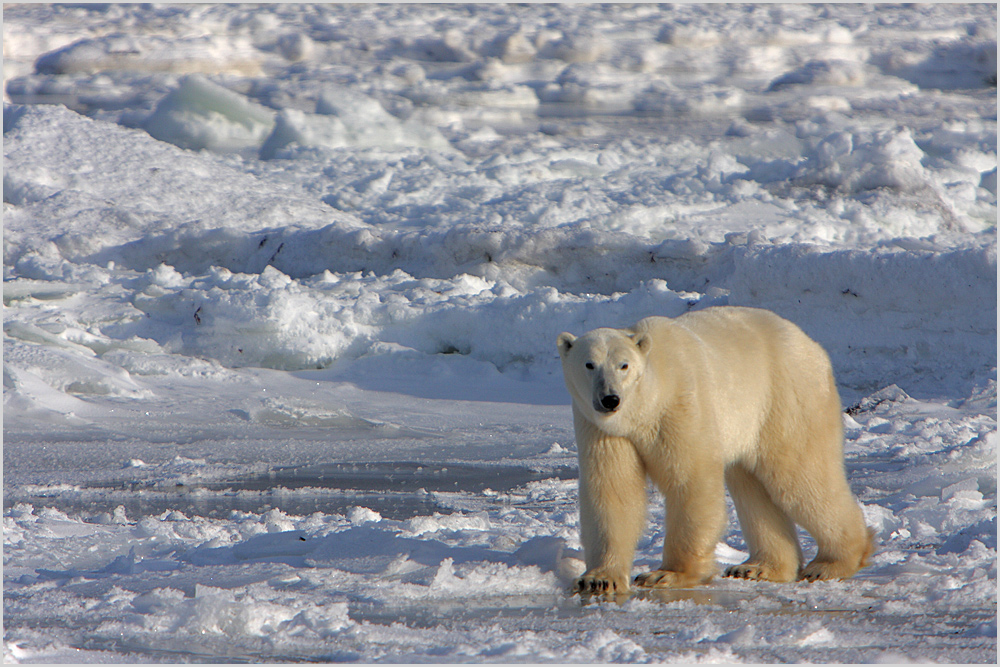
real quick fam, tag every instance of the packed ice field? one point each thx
(282, 287)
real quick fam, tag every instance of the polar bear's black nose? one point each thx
(610, 402)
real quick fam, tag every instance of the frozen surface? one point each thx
(282, 286)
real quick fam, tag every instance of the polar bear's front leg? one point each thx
(612, 510)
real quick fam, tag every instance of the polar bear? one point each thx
(721, 397)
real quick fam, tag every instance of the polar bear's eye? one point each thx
(590, 365)
(624, 367)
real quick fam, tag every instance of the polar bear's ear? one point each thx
(564, 342)
(643, 342)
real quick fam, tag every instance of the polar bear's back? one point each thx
(760, 371)
(734, 336)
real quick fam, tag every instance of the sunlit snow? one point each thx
(282, 287)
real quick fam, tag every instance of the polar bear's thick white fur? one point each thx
(722, 397)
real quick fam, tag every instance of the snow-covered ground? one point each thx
(282, 287)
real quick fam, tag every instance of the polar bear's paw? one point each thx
(820, 571)
(601, 582)
(760, 572)
(854, 557)
(670, 579)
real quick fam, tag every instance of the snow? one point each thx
(282, 287)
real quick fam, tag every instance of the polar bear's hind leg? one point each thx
(769, 532)
(816, 495)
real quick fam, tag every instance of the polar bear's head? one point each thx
(602, 369)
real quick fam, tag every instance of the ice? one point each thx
(200, 114)
(282, 286)
(344, 118)
(145, 53)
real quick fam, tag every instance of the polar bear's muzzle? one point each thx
(607, 403)
(606, 399)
